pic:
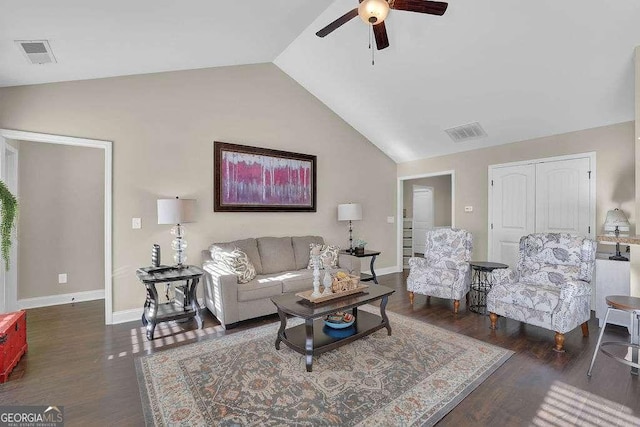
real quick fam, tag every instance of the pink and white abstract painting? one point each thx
(252, 179)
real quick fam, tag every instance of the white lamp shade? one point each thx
(615, 218)
(176, 211)
(350, 212)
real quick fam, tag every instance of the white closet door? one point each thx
(562, 197)
(422, 216)
(513, 210)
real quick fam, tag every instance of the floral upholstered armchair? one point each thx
(444, 271)
(550, 287)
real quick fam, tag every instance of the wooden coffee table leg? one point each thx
(383, 313)
(283, 325)
(308, 345)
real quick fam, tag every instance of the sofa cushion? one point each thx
(276, 254)
(233, 262)
(263, 286)
(301, 246)
(328, 255)
(249, 247)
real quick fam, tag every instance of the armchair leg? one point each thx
(585, 329)
(494, 319)
(467, 299)
(456, 305)
(559, 342)
(411, 296)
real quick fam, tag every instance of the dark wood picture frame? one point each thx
(296, 184)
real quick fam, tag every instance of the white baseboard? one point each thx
(135, 314)
(60, 299)
(384, 271)
(125, 316)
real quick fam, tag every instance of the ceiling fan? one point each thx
(374, 12)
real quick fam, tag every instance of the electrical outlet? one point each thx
(468, 208)
(391, 219)
(62, 278)
(136, 223)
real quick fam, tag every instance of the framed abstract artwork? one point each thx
(253, 179)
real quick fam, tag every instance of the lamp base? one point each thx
(618, 258)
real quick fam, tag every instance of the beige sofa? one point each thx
(281, 267)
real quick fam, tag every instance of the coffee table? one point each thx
(313, 337)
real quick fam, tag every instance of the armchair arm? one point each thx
(349, 263)
(415, 262)
(503, 276)
(221, 293)
(573, 289)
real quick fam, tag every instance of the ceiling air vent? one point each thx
(466, 132)
(36, 51)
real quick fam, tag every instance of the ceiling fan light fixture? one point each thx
(373, 11)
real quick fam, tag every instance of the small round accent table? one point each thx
(632, 306)
(481, 284)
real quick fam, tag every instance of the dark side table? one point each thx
(367, 253)
(481, 284)
(154, 312)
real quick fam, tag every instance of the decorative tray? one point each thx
(307, 294)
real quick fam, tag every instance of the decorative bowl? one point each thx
(339, 333)
(339, 320)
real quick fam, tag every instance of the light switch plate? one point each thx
(136, 223)
(391, 219)
(468, 208)
(62, 278)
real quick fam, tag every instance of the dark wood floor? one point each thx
(76, 361)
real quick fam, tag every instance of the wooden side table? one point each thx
(154, 312)
(367, 253)
(481, 284)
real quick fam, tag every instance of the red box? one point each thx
(13, 341)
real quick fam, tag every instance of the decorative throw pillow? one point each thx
(234, 262)
(328, 255)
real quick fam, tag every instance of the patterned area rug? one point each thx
(413, 377)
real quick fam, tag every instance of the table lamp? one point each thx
(177, 211)
(614, 221)
(350, 212)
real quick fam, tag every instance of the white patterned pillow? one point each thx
(328, 255)
(234, 262)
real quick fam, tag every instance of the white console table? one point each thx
(612, 278)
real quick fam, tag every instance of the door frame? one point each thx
(9, 279)
(591, 155)
(400, 203)
(107, 146)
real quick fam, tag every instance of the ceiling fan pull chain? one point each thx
(373, 51)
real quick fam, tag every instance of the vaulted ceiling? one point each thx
(521, 69)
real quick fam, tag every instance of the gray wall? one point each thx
(163, 126)
(61, 221)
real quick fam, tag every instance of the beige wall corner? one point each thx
(163, 126)
(614, 147)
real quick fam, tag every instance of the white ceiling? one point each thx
(523, 69)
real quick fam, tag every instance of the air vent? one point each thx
(466, 132)
(36, 51)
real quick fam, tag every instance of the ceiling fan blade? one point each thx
(421, 6)
(338, 23)
(380, 31)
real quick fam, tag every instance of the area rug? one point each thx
(413, 377)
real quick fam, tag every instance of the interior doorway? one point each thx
(424, 201)
(8, 288)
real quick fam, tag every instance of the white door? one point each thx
(512, 198)
(422, 216)
(562, 197)
(9, 279)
